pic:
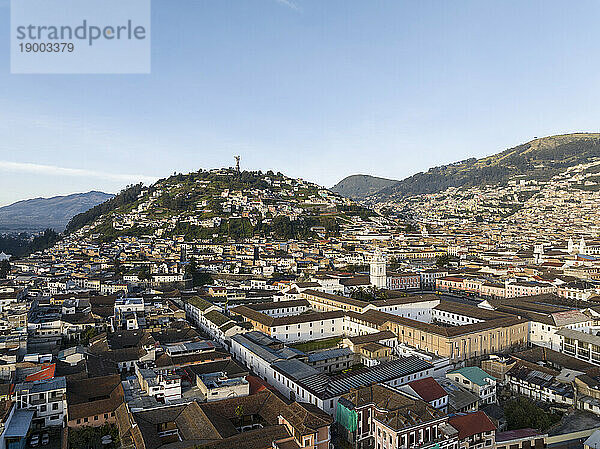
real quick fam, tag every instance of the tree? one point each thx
(357, 268)
(22, 244)
(282, 228)
(91, 437)
(88, 334)
(124, 198)
(43, 241)
(144, 274)
(411, 228)
(443, 260)
(370, 293)
(4, 269)
(118, 266)
(199, 278)
(523, 413)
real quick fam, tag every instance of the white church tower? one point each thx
(570, 246)
(538, 253)
(582, 246)
(378, 276)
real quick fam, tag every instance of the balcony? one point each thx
(569, 349)
(47, 400)
(583, 353)
(37, 401)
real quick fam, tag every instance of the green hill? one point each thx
(538, 159)
(217, 206)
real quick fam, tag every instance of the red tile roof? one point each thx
(428, 389)
(47, 372)
(257, 384)
(471, 424)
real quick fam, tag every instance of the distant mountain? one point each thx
(538, 159)
(360, 186)
(40, 213)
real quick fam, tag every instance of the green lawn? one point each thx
(315, 345)
(91, 437)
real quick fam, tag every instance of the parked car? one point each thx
(45, 438)
(35, 440)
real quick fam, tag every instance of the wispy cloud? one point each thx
(52, 170)
(290, 4)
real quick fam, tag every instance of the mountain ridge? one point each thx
(360, 186)
(540, 158)
(37, 214)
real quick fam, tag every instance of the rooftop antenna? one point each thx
(237, 163)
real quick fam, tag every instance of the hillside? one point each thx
(361, 186)
(539, 159)
(217, 206)
(37, 214)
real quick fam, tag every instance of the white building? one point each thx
(165, 387)
(527, 288)
(543, 329)
(539, 385)
(377, 271)
(296, 380)
(582, 345)
(428, 277)
(477, 381)
(47, 398)
(217, 386)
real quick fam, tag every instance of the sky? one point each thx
(315, 89)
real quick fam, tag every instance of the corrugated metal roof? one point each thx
(329, 354)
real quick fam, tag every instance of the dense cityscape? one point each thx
(228, 308)
(299, 224)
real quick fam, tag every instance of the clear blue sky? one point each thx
(318, 89)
